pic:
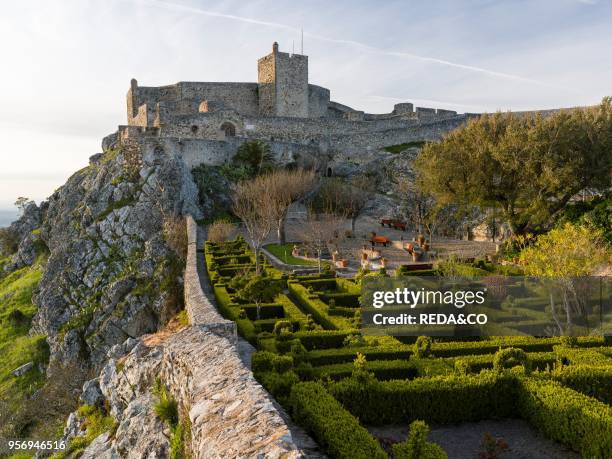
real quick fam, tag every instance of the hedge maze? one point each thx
(335, 382)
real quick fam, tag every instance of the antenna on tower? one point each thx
(302, 31)
(292, 46)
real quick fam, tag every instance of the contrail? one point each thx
(372, 49)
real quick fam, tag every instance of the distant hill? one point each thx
(7, 217)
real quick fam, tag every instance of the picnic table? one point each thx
(382, 240)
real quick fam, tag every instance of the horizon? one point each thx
(470, 56)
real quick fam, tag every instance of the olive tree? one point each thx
(527, 166)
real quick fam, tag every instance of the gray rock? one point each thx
(93, 159)
(108, 255)
(23, 369)
(92, 395)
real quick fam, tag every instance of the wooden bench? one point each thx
(396, 224)
(380, 240)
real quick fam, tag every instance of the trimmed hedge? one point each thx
(266, 311)
(347, 300)
(317, 308)
(323, 339)
(384, 370)
(333, 427)
(595, 382)
(320, 285)
(343, 355)
(477, 363)
(580, 422)
(291, 310)
(348, 286)
(439, 400)
(528, 344)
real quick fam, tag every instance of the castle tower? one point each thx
(283, 84)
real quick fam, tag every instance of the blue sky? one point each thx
(67, 65)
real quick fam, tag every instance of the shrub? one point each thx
(279, 384)
(335, 429)
(576, 420)
(422, 347)
(282, 327)
(354, 341)
(510, 357)
(175, 235)
(166, 408)
(569, 341)
(262, 361)
(416, 446)
(221, 230)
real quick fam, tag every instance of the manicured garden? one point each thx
(336, 383)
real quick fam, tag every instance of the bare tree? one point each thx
(252, 205)
(342, 198)
(320, 232)
(221, 230)
(283, 188)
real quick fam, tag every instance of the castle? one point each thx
(205, 122)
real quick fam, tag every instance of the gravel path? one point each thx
(463, 441)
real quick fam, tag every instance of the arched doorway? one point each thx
(229, 129)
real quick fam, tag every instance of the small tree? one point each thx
(342, 198)
(284, 187)
(252, 206)
(22, 204)
(320, 232)
(564, 254)
(256, 155)
(259, 290)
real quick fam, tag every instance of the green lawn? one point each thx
(283, 253)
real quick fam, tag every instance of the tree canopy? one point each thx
(526, 166)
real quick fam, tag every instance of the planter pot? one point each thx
(344, 263)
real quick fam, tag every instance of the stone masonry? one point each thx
(204, 122)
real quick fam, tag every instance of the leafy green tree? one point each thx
(259, 290)
(571, 250)
(528, 167)
(565, 254)
(255, 155)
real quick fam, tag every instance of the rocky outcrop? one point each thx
(111, 272)
(26, 231)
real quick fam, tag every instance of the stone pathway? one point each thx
(463, 441)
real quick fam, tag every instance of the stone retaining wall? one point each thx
(199, 308)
